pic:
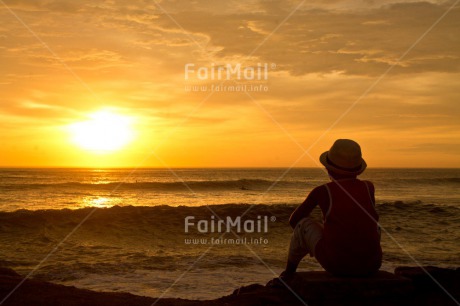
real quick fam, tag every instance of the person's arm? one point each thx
(372, 191)
(372, 194)
(304, 209)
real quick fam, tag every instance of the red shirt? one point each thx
(351, 238)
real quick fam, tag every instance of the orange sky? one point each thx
(62, 61)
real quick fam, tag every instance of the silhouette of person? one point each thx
(347, 241)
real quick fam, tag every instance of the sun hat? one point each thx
(344, 157)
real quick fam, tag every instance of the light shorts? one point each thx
(306, 235)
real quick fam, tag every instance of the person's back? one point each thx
(350, 244)
(347, 243)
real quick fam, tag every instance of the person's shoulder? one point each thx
(319, 191)
(370, 184)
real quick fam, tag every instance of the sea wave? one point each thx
(127, 224)
(139, 243)
(127, 218)
(417, 206)
(243, 184)
(434, 180)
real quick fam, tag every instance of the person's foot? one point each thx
(282, 280)
(286, 275)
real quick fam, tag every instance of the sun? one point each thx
(103, 132)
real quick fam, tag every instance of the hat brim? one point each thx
(323, 160)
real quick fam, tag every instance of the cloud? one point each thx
(131, 56)
(320, 40)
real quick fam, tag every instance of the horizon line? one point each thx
(211, 167)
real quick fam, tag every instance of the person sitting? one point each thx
(347, 242)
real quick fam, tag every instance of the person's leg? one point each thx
(291, 267)
(303, 241)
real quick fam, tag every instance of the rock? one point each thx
(409, 286)
(432, 278)
(8, 272)
(319, 285)
(35, 292)
(247, 289)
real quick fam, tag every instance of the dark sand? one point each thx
(408, 286)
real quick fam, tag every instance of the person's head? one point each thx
(344, 159)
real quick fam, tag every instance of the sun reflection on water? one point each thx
(101, 202)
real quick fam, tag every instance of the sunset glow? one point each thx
(211, 86)
(103, 132)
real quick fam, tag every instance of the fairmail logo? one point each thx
(227, 72)
(228, 224)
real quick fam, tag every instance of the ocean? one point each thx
(156, 232)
